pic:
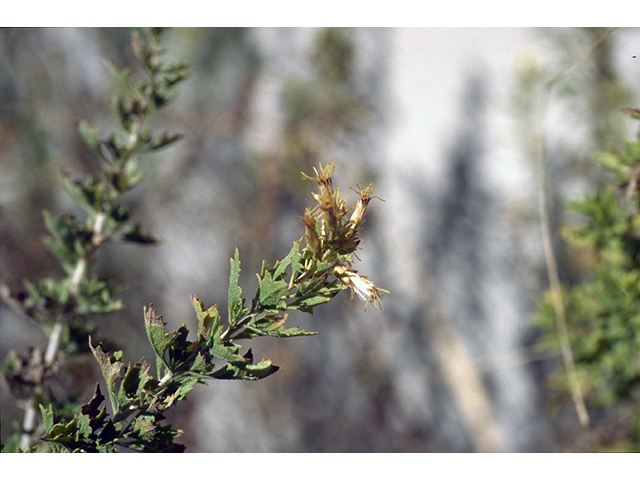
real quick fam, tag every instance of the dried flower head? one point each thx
(365, 289)
(331, 237)
(334, 231)
(331, 207)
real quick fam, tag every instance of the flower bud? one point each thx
(311, 237)
(357, 217)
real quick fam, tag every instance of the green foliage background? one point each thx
(603, 310)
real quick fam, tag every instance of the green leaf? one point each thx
(144, 427)
(296, 256)
(200, 365)
(48, 419)
(65, 241)
(236, 303)
(181, 349)
(163, 140)
(61, 435)
(208, 319)
(110, 371)
(281, 266)
(273, 326)
(132, 233)
(95, 297)
(246, 371)
(90, 193)
(90, 135)
(261, 369)
(219, 350)
(160, 341)
(74, 436)
(315, 292)
(186, 386)
(114, 150)
(127, 110)
(611, 161)
(84, 427)
(306, 302)
(134, 379)
(271, 293)
(124, 76)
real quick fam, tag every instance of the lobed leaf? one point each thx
(110, 370)
(236, 303)
(273, 326)
(246, 371)
(160, 341)
(133, 382)
(271, 293)
(208, 319)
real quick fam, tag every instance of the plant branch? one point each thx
(547, 236)
(53, 303)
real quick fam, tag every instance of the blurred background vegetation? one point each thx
(455, 361)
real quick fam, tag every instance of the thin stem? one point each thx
(29, 420)
(28, 426)
(547, 238)
(241, 323)
(98, 223)
(78, 274)
(54, 343)
(165, 380)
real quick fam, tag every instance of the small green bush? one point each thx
(317, 267)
